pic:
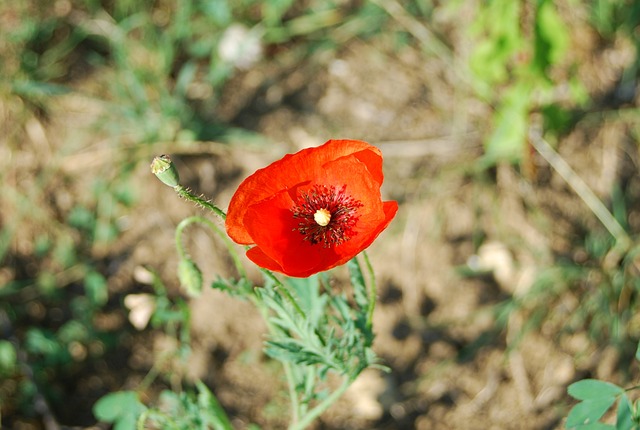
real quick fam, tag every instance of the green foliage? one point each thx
(121, 409)
(8, 358)
(186, 411)
(596, 398)
(312, 331)
(511, 125)
(499, 23)
(322, 331)
(517, 64)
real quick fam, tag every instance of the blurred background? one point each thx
(510, 135)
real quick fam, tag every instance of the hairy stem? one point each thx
(373, 291)
(186, 193)
(314, 413)
(227, 242)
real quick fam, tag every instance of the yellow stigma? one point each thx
(322, 217)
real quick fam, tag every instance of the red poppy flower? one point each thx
(312, 210)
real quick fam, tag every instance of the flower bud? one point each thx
(164, 169)
(190, 277)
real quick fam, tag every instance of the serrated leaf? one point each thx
(293, 352)
(589, 411)
(358, 283)
(593, 389)
(307, 293)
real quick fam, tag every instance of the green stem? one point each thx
(291, 383)
(186, 193)
(373, 291)
(227, 242)
(284, 291)
(293, 396)
(321, 407)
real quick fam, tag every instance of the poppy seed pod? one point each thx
(163, 168)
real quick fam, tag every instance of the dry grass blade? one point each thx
(581, 188)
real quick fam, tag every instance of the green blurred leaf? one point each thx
(121, 408)
(185, 77)
(219, 12)
(43, 343)
(499, 40)
(595, 426)
(589, 411)
(31, 89)
(210, 405)
(624, 415)
(557, 119)
(73, 331)
(8, 358)
(551, 37)
(95, 287)
(81, 218)
(509, 137)
(589, 389)
(47, 282)
(274, 10)
(42, 245)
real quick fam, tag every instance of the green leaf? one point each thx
(38, 89)
(185, 77)
(95, 287)
(624, 415)
(81, 218)
(499, 23)
(593, 389)
(274, 10)
(8, 357)
(217, 11)
(210, 404)
(121, 408)
(589, 411)
(638, 352)
(306, 290)
(551, 37)
(292, 351)
(596, 426)
(358, 283)
(507, 142)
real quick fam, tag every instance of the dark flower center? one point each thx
(327, 215)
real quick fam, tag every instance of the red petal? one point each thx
(274, 230)
(290, 171)
(256, 254)
(272, 227)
